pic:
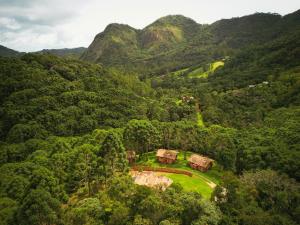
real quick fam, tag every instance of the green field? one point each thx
(200, 73)
(194, 183)
(179, 72)
(199, 182)
(178, 102)
(200, 122)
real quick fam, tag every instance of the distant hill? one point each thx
(7, 52)
(177, 40)
(65, 52)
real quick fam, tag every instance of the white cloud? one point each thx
(9, 23)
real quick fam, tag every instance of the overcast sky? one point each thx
(31, 25)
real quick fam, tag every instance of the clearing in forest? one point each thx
(200, 182)
(200, 73)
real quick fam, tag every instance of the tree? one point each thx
(8, 209)
(186, 136)
(113, 154)
(39, 208)
(86, 165)
(82, 168)
(86, 211)
(140, 135)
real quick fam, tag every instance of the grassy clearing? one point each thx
(191, 184)
(213, 174)
(200, 73)
(198, 182)
(216, 65)
(200, 122)
(179, 72)
(178, 102)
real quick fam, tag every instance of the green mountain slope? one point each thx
(175, 42)
(229, 91)
(7, 52)
(65, 52)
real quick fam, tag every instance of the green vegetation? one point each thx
(65, 125)
(200, 122)
(200, 73)
(191, 184)
(7, 52)
(216, 65)
(73, 53)
(214, 174)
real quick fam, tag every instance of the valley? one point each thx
(228, 91)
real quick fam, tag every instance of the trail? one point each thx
(199, 118)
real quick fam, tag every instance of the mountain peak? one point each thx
(117, 26)
(176, 20)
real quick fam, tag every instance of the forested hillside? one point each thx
(229, 91)
(7, 52)
(175, 42)
(65, 52)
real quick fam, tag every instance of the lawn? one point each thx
(199, 182)
(194, 183)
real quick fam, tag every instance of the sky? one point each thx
(32, 25)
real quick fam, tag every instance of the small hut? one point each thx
(166, 156)
(130, 156)
(200, 162)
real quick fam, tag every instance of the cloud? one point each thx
(9, 23)
(35, 24)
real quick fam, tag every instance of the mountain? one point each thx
(7, 52)
(174, 42)
(65, 52)
(229, 91)
(121, 44)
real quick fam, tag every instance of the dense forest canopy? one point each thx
(229, 91)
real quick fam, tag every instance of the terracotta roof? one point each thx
(165, 153)
(200, 160)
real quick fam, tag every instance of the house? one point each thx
(199, 162)
(130, 156)
(187, 99)
(166, 156)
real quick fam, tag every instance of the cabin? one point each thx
(199, 162)
(166, 156)
(130, 156)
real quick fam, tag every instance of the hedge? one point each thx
(161, 169)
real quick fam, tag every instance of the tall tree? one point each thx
(39, 208)
(113, 154)
(140, 135)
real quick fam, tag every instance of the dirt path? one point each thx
(209, 182)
